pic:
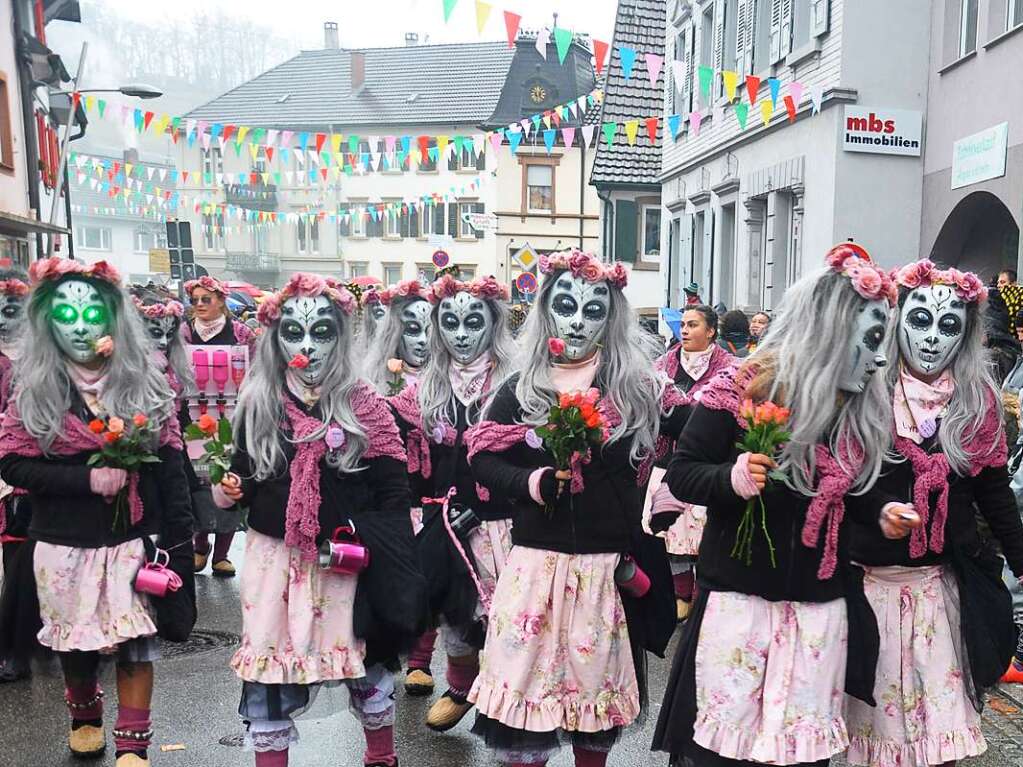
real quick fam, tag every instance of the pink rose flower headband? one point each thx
(169, 308)
(14, 287)
(57, 268)
(868, 279)
(310, 286)
(585, 265)
(404, 289)
(967, 285)
(206, 283)
(484, 287)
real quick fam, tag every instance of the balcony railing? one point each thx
(252, 196)
(253, 262)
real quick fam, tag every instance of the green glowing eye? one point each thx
(95, 314)
(65, 314)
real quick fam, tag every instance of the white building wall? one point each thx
(14, 180)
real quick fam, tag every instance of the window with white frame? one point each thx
(729, 53)
(94, 237)
(467, 159)
(357, 226)
(357, 269)
(260, 239)
(213, 231)
(426, 272)
(433, 219)
(147, 239)
(1013, 14)
(967, 27)
(392, 274)
(392, 223)
(212, 161)
(679, 90)
(540, 188)
(650, 232)
(301, 168)
(707, 36)
(465, 228)
(308, 232)
(761, 36)
(260, 164)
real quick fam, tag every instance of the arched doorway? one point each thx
(979, 235)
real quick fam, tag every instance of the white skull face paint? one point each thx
(580, 310)
(466, 326)
(161, 331)
(78, 318)
(414, 347)
(931, 325)
(378, 312)
(863, 355)
(12, 315)
(309, 326)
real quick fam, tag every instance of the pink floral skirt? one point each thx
(683, 538)
(923, 714)
(87, 597)
(770, 678)
(557, 653)
(296, 618)
(490, 544)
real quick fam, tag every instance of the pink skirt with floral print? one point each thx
(683, 538)
(296, 618)
(770, 679)
(87, 597)
(490, 545)
(923, 714)
(557, 652)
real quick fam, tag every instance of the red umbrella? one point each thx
(243, 287)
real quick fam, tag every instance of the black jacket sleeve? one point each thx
(700, 471)
(45, 476)
(496, 471)
(175, 496)
(241, 465)
(996, 502)
(866, 507)
(390, 483)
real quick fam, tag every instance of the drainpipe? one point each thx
(582, 188)
(605, 197)
(29, 126)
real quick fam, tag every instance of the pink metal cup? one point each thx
(344, 553)
(631, 579)
(154, 578)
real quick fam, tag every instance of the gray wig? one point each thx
(974, 394)
(260, 408)
(385, 343)
(133, 385)
(804, 356)
(436, 398)
(177, 359)
(626, 373)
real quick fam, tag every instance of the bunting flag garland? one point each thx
(742, 114)
(628, 59)
(609, 130)
(674, 122)
(775, 85)
(731, 80)
(562, 39)
(482, 14)
(706, 75)
(631, 128)
(449, 6)
(766, 110)
(653, 67)
(600, 49)
(651, 129)
(695, 119)
(752, 88)
(790, 107)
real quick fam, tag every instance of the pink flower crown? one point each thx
(370, 296)
(14, 287)
(404, 289)
(483, 287)
(968, 286)
(307, 285)
(55, 268)
(585, 265)
(169, 308)
(868, 279)
(206, 283)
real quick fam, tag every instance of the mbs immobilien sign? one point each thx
(882, 131)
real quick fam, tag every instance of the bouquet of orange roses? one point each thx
(765, 434)
(125, 446)
(218, 447)
(573, 427)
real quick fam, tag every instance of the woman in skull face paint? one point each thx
(564, 656)
(792, 617)
(470, 349)
(316, 451)
(85, 358)
(939, 594)
(404, 335)
(163, 318)
(374, 312)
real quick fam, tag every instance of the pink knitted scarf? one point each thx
(302, 516)
(406, 405)
(986, 447)
(719, 359)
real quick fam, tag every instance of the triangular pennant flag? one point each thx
(482, 14)
(496, 138)
(742, 113)
(548, 139)
(271, 136)
(229, 131)
(673, 124)
(653, 67)
(514, 138)
(609, 130)
(90, 102)
(752, 88)
(588, 131)
(562, 39)
(706, 75)
(148, 118)
(286, 138)
(766, 110)
(242, 132)
(599, 54)
(253, 148)
(790, 107)
(695, 120)
(536, 123)
(817, 97)
(568, 136)
(269, 153)
(628, 58)
(796, 92)
(442, 146)
(731, 80)
(543, 37)
(775, 85)
(303, 141)
(511, 25)
(651, 128)
(321, 139)
(449, 6)
(101, 106)
(547, 119)
(335, 142)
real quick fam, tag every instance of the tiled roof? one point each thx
(639, 24)
(419, 84)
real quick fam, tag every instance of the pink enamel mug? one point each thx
(344, 553)
(631, 579)
(154, 578)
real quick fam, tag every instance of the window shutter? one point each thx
(687, 57)
(719, 46)
(820, 16)
(477, 207)
(452, 219)
(786, 28)
(375, 227)
(345, 223)
(438, 218)
(454, 158)
(626, 231)
(481, 159)
(744, 26)
(776, 53)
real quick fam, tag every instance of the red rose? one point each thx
(111, 437)
(96, 426)
(299, 361)
(556, 346)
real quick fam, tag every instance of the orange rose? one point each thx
(565, 401)
(140, 420)
(747, 409)
(111, 437)
(96, 426)
(207, 424)
(115, 426)
(594, 420)
(586, 410)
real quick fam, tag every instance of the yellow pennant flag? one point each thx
(266, 178)
(766, 110)
(560, 112)
(243, 131)
(730, 79)
(335, 142)
(253, 148)
(442, 147)
(547, 119)
(630, 131)
(127, 169)
(482, 14)
(90, 102)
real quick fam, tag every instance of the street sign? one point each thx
(481, 222)
(159, 260)
(441, 258)
(980, 157)
(882, 131)
(526, 282)
(526, 257)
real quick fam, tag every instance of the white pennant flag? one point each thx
(587, 131)
(543, 37)
(526, 125)
(271, 136)
(163, 174)
(479, 142)
(678, 71)
(582, 104)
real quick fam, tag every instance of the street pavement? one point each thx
(196, 701)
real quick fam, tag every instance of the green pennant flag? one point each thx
(237, 148)
(742, 112)
(706, 81)
(325, 158)
(609, 132)
(563, 39)
(175, 123)
(348, 169)
(353, 144)
(459, 144)
(449, 6)
(101, 105)
(257, 135)
(277, 177)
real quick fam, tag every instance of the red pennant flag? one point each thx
(117, 168)
(323, 172)
(651, 129)
(752, 86)
(184, 177)
(557, 120)
(599, 53)
(269, 154)
(148, 119)
(511, 23)
(228, 132)
(790, 107)
(76, 97)
(253, 178)
(320, 138)
(424, 146)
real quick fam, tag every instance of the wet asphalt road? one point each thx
(196, 700)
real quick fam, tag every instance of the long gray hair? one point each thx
(435, 394)
(260, 408)
(385, 343)
(974, 394)
(133, 384)
(802, 360)
(177, 359)
(626, 373)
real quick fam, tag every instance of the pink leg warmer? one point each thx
(272, 758)
(462, 672)
(584, 758)
(380, 747)
(85, 702)
(684, 585)
(133, 729)
(422, 651)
